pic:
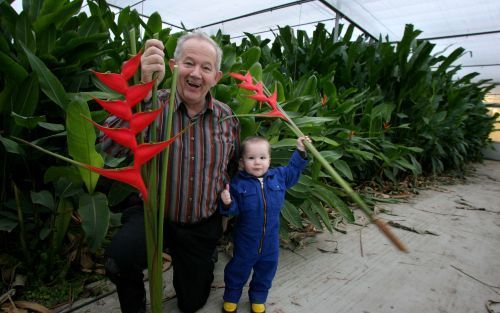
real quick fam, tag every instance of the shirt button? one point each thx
(191, 179)
(192, 158)
(192, 138)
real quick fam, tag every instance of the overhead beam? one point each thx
(462, 35)
(278, 7)
(338, 12)
(480, 65)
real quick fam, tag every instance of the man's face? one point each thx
(197, 71)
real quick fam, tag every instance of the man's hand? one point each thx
(152, 61)
(225, 196)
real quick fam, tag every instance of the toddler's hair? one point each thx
(252, 139)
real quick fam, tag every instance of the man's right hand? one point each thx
(152, 61)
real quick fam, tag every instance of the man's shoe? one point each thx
(258, 308)
(229, 307)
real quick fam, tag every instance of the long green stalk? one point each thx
(168, 134)
(152, 223)
(347, 188)
(156, 224)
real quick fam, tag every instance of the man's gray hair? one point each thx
(198, 35)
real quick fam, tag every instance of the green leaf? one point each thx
(311, 215)
(328, 196)
(287, 142)
(250, 56)
(291, 214)
(119, 192)
(53, 173)
(344, 168)
(7, 224)
(154, 24)
(25, 100)
(330, 155)
(310, 86)
(24, 33)
(12, 69)
(51, 126)
(66, 188)
(61, 223)
(171, 44)
(29, 122)
(311, 121)
(51, 86)
(94, 212)
(81, 141)
(44, 198)
(326, 140)
(318, 208)
(364, 154)
(12, 146)
(56, 14)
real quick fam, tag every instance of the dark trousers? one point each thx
(191, 248)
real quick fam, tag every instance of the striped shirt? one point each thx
(199, 159)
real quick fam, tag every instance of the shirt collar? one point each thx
(209, 100)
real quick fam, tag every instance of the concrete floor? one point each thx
(455, 271)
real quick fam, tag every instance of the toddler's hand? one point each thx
(300, 142)
(226, 196)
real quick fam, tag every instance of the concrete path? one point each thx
(453, 265)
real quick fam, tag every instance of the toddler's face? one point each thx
(256, 159)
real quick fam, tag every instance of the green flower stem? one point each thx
(354, 196)
(333, 173)
(164, 169)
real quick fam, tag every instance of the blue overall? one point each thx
(256, 234)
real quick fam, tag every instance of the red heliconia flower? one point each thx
(141, 120)
(147, 151)
(247, 78)
(113, 81)
(124, 136)
(135, 94)
(128, 175)
(131, 65)
(118, 82)
(136, 122)
(387, 125)
(259, 97)
(274, 113)
(273, 100)
(119, 108)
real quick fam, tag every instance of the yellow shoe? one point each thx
(229, 307)
(258, 308)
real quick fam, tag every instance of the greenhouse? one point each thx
(278, 156)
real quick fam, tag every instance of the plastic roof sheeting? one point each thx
(473, 25)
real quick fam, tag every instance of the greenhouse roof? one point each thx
(473, 25)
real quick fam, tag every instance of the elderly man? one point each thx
(199, 165)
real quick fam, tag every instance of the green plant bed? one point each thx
(59, 292)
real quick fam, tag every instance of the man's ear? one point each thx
(171, 64)
(218, 76)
